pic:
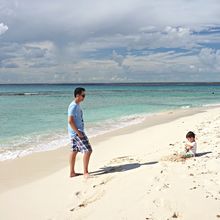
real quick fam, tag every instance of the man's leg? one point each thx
(72, 163)
(86, 158)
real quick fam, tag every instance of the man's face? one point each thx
(81, 97)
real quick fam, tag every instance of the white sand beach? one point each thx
(130, 180)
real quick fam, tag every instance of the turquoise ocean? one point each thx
(33, 117)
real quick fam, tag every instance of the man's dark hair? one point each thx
(190, 134)
(78, 91)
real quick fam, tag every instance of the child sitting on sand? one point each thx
(190, 146)
(190, 150)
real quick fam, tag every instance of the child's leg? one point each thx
(188, 155)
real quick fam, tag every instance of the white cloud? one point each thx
(3, 28)
(81, 20)
(210, 59)
(5, 64)
(115, 40)
(35, 52)
(117, 58)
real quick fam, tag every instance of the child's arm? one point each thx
(188, 146)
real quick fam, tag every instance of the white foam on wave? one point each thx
(21, 149)
(212, 105)
(48, 142)
(10, 155)
(53, 141)
(114, 124)
(186, 107)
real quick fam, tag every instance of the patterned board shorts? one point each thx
(81, 144)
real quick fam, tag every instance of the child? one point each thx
(190, 146)
(190, 150)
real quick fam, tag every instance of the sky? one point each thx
(73, 41)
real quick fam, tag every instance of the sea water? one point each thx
(34, 117)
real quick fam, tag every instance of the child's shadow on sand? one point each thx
(120, 168)
(203, 153)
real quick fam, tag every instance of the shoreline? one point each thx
(104, 131)
(127, 170)
(48, 162)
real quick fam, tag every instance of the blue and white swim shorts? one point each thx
(81, 144)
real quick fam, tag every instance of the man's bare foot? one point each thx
(72, 174)
(86, 175)
(75, 174)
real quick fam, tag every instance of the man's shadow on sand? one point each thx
(131, 166)
(120, 168)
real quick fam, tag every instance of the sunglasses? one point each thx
(83, 95)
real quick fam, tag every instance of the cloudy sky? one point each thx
(109, 41)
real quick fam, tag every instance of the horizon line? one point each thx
(111, 83)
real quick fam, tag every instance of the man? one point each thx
(79, 140)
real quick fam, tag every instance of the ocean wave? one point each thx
(39, 143)
(186, 106)
(20, 93)
(47, 142)
(110, 125)
(32, 93)
(55, 140)
(13, 154)
(211, 105)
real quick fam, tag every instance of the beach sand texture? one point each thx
(133, 175)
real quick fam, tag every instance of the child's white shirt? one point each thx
(194, 146)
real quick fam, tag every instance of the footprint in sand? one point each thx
(193, 188)
(175, 215)
(92, 198)
(123, 159)
(103, 182)
(157, 179)
(163, 187)
(77, 194)
(173, 158)
(211, 195)
(93, 195)
(163, 172)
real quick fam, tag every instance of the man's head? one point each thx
(190, 136)
(79, 94)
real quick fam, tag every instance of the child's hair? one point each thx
(190, 134)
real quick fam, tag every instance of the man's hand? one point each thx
(80, 134)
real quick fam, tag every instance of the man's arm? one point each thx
(73, 126)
